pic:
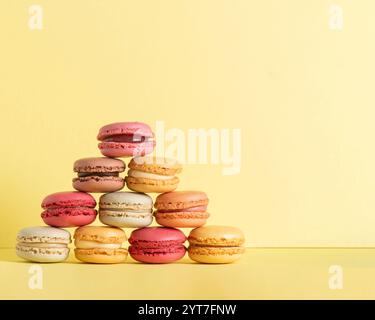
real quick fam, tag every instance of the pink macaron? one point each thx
(157, 245)
(126, 139)
(68, 209)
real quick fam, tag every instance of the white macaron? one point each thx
(43, 244)
(126, 209)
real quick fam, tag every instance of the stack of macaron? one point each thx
(128, 209)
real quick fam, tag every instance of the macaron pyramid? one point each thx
(133, 209)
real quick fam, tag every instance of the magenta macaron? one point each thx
(157, 245)
(68, 209)
(126, 139)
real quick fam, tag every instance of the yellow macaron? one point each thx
(153, 174)
(96, 244)
(216, 244)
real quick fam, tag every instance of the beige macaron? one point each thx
(153, 174)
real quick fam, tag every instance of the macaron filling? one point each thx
(146, 244)
(124, 213)
(192, 209)
(156, 251)
(43, 245)
(97, 174)
(147, 175)
(127, 209)
(127, 138)
(82, 244)
(68, 211)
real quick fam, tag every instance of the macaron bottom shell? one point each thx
(151, 185)
(126, 149)
(157, 255)
(101, 256)
(215, 255)
(43, 255)
(181, 219)
(98, 184)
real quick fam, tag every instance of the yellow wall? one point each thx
(302, 94)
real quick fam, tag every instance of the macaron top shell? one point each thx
(43, 235)
(126, 200)
(99, 164)
(100, 234)
(216, 236)
(125, 128)
(69, 199)
(180, 200)
(156, 165)
(156, 234)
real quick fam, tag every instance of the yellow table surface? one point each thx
(260, 274)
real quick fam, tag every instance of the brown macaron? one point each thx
(99, 174)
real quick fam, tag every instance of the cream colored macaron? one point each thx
(126, 209)
(43, 244)
(216, 244)
(96, 244)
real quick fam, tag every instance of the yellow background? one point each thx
(302, 94)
